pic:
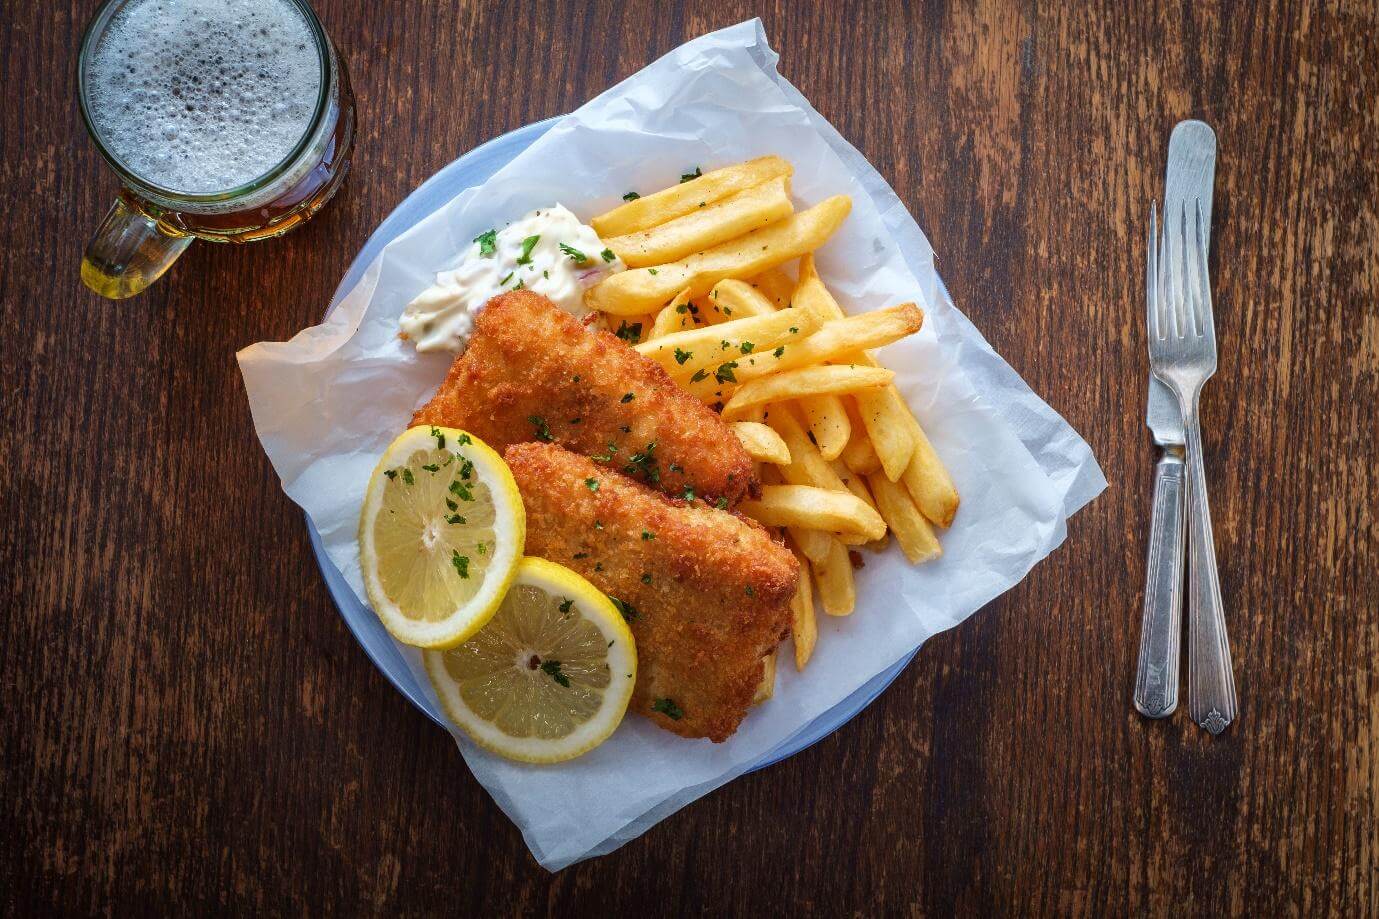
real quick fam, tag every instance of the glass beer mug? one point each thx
(226, 120)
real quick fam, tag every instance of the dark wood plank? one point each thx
(189, 726)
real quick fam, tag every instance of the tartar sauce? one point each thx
(548, 251)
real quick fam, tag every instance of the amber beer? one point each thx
(227, 120)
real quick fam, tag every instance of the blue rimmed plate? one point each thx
(474, 168)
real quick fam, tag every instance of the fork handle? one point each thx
(1211, 684)
(1161, 632)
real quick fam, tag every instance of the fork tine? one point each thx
(1151, 274)
(1206, 321)
(1181, 324)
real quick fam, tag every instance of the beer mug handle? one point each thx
(129, 252)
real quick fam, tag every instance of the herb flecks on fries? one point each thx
(844, 461)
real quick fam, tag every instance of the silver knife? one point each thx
(1191, 176)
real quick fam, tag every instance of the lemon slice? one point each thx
(549, 677)
(440, 536)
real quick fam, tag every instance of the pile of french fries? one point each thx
(843, 461)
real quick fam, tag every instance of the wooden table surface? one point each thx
(189, 726)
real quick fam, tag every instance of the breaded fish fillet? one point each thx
(707, 593)
(534, 372)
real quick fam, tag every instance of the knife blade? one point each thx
(1189, 180)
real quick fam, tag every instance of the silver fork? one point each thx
(1182, 353)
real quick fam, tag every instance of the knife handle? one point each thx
(1156, 681)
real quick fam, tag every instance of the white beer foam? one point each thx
(203, 96)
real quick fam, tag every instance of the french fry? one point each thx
(767, 687)
(844, 340)
(804, 628)
(885, 417)
(673, 317)
(927, 481)
(912, 531)
(632, 329)
(811, 295)
(639, 290)
(833, 580)
(761, 442)
(678, 200)
(806, 381)
(775, 285)
(734, 299)
(859, 455)
(828, 422)
(816, 509)
(854, 483)
(807, 466)
(682, 353)
(814, 545)
(705, 227)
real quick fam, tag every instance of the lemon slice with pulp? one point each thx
(549, 677)
(440, 536)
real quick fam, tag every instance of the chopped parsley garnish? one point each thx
(724, 373)
(646, 577)
(629, 333)
(607, 255)
(552, 669)
(543, 430)
(506, 279)
(682, 309)
(794, 330)
(681, 355)
(626, 429)
(390, 473)
(631, 196)
(746, 347)
(598, 524)
(688, 493)
(488, 242)
(676, 467)
(691, 175)
(440, 438)
(451, 505)
(644, 462)
(627, 397)
(605, 457)
(725, 344)
(455, 520)
(407, 476)
(576, 420)
(779, 351)
(461, 491)
(466, 468)
(432, 467)
(463, 439)
(699, 374)
(461, 563)
(580, 555)
(629, 612)
(565, 606)
(528, 244)
(575, 255)
(598, 566)
(647, 536)
(652, 271)
(482, 548)
(591, 484)
(750, 591)
(721, 504)
(668, 708)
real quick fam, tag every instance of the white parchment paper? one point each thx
(328, 402)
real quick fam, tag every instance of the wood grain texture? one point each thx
(188, 725)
